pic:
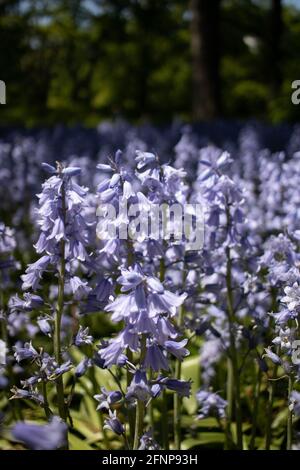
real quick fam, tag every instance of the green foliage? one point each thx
(83, 61)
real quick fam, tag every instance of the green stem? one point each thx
(289, 418)
(270, 409)
(165, 421)
(229, 396)
(150, 407)
(177, 398)
(225, 428)
(255, 409)
(140, 406)
(139, 423)
(272, 383)
(131, 413)
(117, 382)
(58, 317)
(233, 352)
(57, 338)
(127, 447)
(46, 403)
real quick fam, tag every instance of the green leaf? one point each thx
(191, 370)
(78, 444)
(204, 438)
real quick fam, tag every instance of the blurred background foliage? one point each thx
(82, 61)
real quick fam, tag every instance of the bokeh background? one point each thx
(85, 61)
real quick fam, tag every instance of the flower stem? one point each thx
(131, 418)
(150, 407)
(270, 409)
(230, 397)
(165, 421)
(233, 352)
(177, 398)
(255, 409)
(272, 383)
(289, 418)
(139, 423)
(46, 403)
(140, 406)
(58, 317)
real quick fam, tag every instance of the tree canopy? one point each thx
(85, 60)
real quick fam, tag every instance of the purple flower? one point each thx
(44, 325)
(294, 403)
(60, 218)
(60, 370)
(211, 404)
(27, 394)
(271, 355)
(83, 337)
(34, 272)
(79, 288)
(114, 424)
(177, 348)
(155, 358)
(41, 437)
(144, 159)
(82, 367)
(182, 387)
(292, 297)
(147, 442)
(30, 302)
(106, 399)
(26, 352)
(138, 388)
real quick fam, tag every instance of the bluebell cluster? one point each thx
(129, 320)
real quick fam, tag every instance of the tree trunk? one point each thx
(205, 48)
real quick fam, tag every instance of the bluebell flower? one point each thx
(284, 315)
(292, 297)
(31, 381)
(60, 220)
(99, 296)
(83, 337)
(284, 340)
(139, 388)
(60, 370)
(79, 288)
(27, 394)
(41, 437)
(7, 247)
(177, 348)
(45, 326)
(25, 352)
(147, 442)
(114, 424)
(156, 358)
(82, 367)
(34, 272)
(106, 399)
(144, 159)
(272, 356)
(294, 403)
(27, 304)
(182, 387)
(211, 404)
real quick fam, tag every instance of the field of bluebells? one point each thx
(144, 343)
